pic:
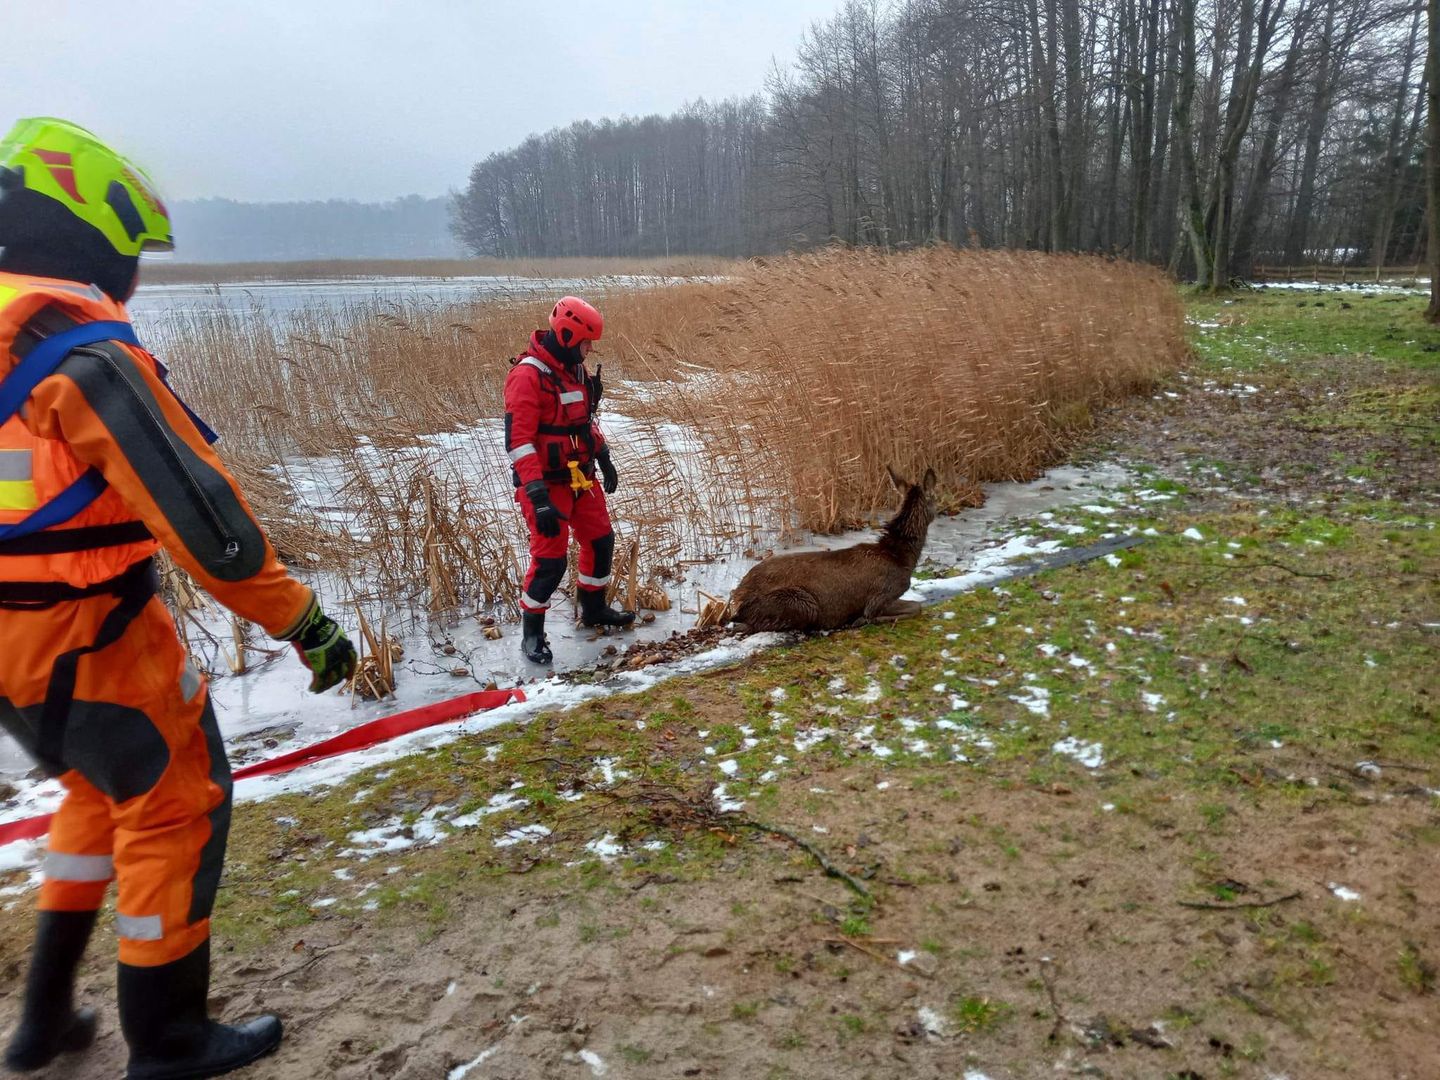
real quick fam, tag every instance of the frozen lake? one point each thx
(279, 299)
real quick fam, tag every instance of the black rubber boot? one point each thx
(532, 638)
(166, 1023)
(595, 612)
(49, 1022)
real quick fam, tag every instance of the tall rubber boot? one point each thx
(49, 1023)
(532, 638)
(167, 1025)
(595, 612)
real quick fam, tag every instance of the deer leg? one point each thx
(896, 610)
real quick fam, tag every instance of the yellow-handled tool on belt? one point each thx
(578, 480)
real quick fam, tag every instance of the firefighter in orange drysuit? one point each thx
(554, 446)
(101, 465)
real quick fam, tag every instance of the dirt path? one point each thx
(990, 895)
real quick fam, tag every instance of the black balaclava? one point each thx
(39, 236)
(570, 357)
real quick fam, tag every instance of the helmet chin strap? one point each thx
(41, 238)
(569, 355)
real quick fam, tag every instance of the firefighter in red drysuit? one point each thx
(101, 465)
(554, 446)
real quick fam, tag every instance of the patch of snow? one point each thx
(1034, 698)
(1089, 754)
(525, 834)
(597, 1066)
(724, 803)
(935, 1023)
(461, 1071)
(606, 848)
(1193, 533)
(1342, 892)
(497, 804)
(730, 767)
(872, 693)
(804, 740)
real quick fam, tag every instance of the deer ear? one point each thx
(900, 485)
(927, 483)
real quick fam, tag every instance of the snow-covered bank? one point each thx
(267, 711)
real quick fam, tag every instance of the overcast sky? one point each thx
(370, 99)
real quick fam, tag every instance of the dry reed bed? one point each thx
(766, 403)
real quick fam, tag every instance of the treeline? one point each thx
(221, 230)
(1206, 135)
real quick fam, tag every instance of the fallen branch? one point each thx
(871, 952)
(1255, 1003)
(1047, 976)
(1244, 904)
(819, 856)
(1291, 570)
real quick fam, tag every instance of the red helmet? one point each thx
(574, 321)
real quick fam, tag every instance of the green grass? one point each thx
(977, 1014)
(1276, 326)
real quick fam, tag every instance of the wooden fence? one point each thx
(1331, 274)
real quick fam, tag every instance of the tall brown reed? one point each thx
(770, 401)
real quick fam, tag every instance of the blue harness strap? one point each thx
(38, 365)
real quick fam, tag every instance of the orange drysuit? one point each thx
(94, 681)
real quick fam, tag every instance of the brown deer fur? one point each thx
(825, 590)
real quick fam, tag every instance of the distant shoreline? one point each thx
(164, 272)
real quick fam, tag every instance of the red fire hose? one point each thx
(357, 738)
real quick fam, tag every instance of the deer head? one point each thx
(917, 509)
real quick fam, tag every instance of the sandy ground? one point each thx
(535, 975)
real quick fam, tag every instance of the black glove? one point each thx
(607, 472)
(323, 648)
(597, 388)
(547, 518)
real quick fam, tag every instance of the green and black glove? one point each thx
(323, 648)
(609, 477)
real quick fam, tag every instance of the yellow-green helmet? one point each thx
(64, 162)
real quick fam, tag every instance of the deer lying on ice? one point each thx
(825, 590)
